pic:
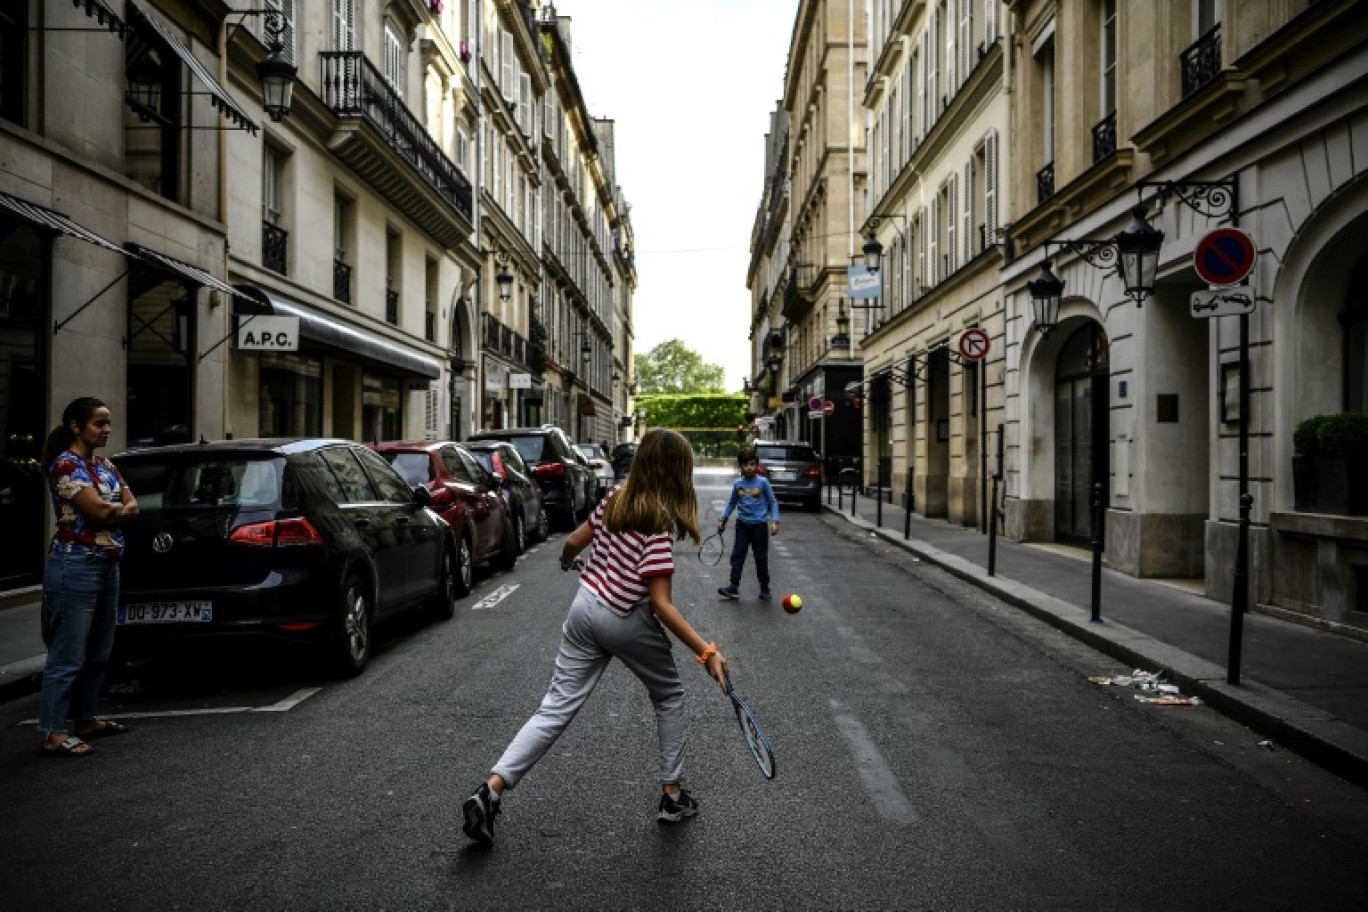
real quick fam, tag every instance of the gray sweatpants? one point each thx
(593, 635)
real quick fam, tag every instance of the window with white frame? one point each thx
(344, 25)
(1108, 57)
(396, 58)
(272, 181)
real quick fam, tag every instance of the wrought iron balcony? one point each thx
(274, 245)
(502, 340)
(1104, 138)
(1045, 183)
(342, 281)
(391, 306)
(355, 90)
(1202, 61)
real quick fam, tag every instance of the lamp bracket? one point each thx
(1100, 253)
(1213, 199)
(875, 222)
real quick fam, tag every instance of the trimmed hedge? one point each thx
(1342, 434)
(707, 420)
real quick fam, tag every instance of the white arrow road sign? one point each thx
(1222, 302)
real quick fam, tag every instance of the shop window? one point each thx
(160, 332)
(381, 407)
(291, 403)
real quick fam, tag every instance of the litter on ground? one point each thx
(1164, 693)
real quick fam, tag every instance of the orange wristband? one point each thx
(708, 651)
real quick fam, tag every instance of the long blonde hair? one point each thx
(658, 495)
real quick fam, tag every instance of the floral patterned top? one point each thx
(70, 474)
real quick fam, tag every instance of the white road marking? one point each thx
(290, 702)
(874, 771)
(285, 705)
(498, 595)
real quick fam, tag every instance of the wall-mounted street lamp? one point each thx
(277, 76)
(1138, 246)
(774, 362)
(842, 337)
(1046, 289)
(504, 278)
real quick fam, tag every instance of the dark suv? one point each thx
(793, 470)
(566, 478)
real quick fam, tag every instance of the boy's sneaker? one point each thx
(674, 808)
(480, 810)
(728, 592)
(764, 595)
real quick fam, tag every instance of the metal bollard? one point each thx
(878, 508)
(992, 530)
(907, 517)
(854, 492)
(1097, 553)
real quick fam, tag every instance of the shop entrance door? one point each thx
(1081, 432)
(23, 398)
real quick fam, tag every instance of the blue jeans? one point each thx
(754, 537)
(80, 595)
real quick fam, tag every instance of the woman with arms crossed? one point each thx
(81, 585)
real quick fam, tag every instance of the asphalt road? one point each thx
(936, 750)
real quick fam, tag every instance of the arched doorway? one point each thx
(1080, 431)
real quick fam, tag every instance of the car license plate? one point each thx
(785, 476)
(165, 613)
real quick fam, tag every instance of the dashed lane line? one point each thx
(285, 705)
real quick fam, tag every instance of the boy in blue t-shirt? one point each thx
(753, 499)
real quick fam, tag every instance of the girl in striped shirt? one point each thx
(621, 611)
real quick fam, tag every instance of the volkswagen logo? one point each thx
(163, 542)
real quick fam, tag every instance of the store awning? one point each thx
(325, 331)
(218, 95)
(55, 221)
(101, 13)
(192, 274)
(249, 300)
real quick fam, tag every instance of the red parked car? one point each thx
(466, 496)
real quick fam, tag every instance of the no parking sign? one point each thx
(1224, 256)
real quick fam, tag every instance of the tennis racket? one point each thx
(710, 552)
(755, 735)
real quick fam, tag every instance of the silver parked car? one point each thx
(601, 464)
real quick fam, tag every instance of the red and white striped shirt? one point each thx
(622, 562)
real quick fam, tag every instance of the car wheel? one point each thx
(443, 604)
(351, 649)
(519, 532)
(508, 553)
(465, 567)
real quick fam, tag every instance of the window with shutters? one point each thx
(949, 14)
(463, 150)
(917, 256)
(949, 215)
(978, 211)
(525, 104)
(965, 39)
(496, 167)
(344, 25)
(969, 244)
(396, 54)
(933, 234)
(990, 21)
(990, 184)
(279, 23)
(932, 77)
(508, 67)
(1108, 57)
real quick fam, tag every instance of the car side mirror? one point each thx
(422, 496)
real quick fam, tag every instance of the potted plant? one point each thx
(1328, 470)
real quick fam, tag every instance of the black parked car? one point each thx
(566, 480)
(523, 493)
(623, 454)
(308, 541)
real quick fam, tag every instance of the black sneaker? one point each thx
(728, 592)
(480, 810)
(764, 595)
(674, 808)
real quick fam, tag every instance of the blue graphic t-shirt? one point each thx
(752, 500)
(69, 475)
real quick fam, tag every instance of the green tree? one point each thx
(672, 367)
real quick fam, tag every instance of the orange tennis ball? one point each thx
(792, 603)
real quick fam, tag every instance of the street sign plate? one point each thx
(829, 408)
(1222, 302)
(815, 414)
(973, 343)
(1224, 256)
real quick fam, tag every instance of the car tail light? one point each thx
(550, 470)
(812, 472)
(760, 470)
(441, 497)
(278, 532)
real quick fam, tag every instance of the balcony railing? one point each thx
(502, 340)
(342, 281)
(353, 87)
(274, 245)
(1202, 61)
(1104, 138)
(1045, 183)
(392, 306)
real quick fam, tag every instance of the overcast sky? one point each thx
(690, 85)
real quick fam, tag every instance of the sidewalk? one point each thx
(21, 643)
(1305, 688)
